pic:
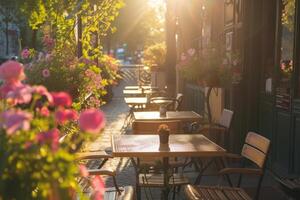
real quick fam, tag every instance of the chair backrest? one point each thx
(256, 148)
(226, 118)
(150, 127)
(178, 103)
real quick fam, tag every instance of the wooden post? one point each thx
(79, 36)
(170, 64)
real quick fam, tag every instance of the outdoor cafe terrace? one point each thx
(149, 99)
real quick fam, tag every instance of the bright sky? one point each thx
(159, 6)
(156, 3)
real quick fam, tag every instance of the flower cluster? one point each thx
(210, 68)
(286, 67)
(33, 122)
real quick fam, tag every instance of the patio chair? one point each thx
(216, 131)
(150, 127)
(178, 102)
(116, 192)
(290, 186)
(255, 151)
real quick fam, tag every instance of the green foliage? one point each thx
(211, 68)
(288, 14)
(155, 55)
(59, 26)
(139, 25)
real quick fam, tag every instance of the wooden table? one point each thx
(171, 115)
(183, 145)
(136, 101)
(136, 87)
(138, 92)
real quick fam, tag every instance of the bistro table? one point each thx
(136, 87)
(184, 116)
(181, 145)
(139, 92)
(136, 101)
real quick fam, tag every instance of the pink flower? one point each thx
(25, 53)
(20, 95)
(183, 57)
(27, 145)
(191, 52)
(51, 137)
(13, 120)
(11, 71)
(83, 171)
(61, 99)
(44, 111)
(46, 73)
(91, 120)
(41, 90)
(98, 186)
(48, 57)
(7, 87)
(48, 41)
(64, 115)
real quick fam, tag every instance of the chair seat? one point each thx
(127, 193)
(93, 155)
(215, 193)
(156, 180)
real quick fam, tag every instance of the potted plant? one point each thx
(212, 68)
(164, 133)
(154, 58)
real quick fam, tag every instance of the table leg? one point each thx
(166, 189)
(202, 170)
(137, 186)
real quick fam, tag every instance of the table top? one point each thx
(186, 145)
(162, 101)
(171, 115)
(136, 87)
(135, 100)
(134, 92)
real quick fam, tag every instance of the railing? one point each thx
(139, 72)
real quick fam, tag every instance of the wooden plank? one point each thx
(171, 115)
(156, 180)
(244, 195)
(258, 141)
(194, 145)
(212, 193)
(203, 191)
(221, 194)
(228, 194)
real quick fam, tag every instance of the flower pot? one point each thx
(164, 141)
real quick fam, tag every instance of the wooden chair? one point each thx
(216, 131)
(255, 151)
(116, 193)
(150, 127)
(178, 102)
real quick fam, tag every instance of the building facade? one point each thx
(266, 35)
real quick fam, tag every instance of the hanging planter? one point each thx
(210, 69)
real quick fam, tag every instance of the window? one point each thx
(286, 67)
